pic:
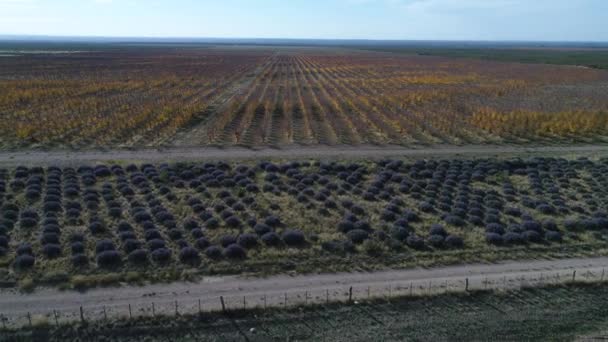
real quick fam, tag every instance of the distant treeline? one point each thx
(593, 58)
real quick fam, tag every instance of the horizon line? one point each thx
(99, 37)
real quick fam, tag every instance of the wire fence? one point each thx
(345, 293)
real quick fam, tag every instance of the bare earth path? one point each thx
(33, 157)
(197, 134)
(272, 291)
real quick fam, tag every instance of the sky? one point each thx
(530, 20)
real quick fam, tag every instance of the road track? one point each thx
(272, 291)
(36, 157)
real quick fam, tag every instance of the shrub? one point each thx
(197, 233)
(400, 233)
(437, 229)
(77, 237)
(546, 209)
(454, 220)
(130, 245)
(511, 211)
(24, 261)
(202, 243)
(531, 225)
(161, 255)
(213, 252)
(212, 223)
(436, 241)
(261, 229)
(24, 248)
(271, 239)
(294, 238)
(363, 225)
(28, 222)
(155, 244)
(227, 240)
(513, 238)
(189, 255)
(247, 240)
(453, 241)
(426, 207)
(127, 236)
(494, 239)
(104, 245)
(115, 212)
(415, 242)
(549, 225)
(496, 228)
(553, 236)
(357, 236)
(332, 246)
(403, 223)
(476, 221)
(175, 234)
(531, 236)
(235, 251)
(108, 258)
(272, 221)
(79, 260)
(49, 238)
(96, 227)
(346, 226)
(77, 247)
(152, 234)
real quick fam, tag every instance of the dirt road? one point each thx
(274, 291)
(290, 152)
(197, 134)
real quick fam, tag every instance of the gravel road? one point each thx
(33, 157)
(241, 291)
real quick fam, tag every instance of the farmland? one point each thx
(163, 167)
(281, 96)
(179, 220)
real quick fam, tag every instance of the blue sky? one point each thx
(341, 19)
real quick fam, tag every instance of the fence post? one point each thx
(153, 310)
(56, 319)
(350, 294)
(176, 309)
(603, 270)
(105, 314)
(223, 304)
(244, 303)
(390, 291)
(199, 306)
(430, 286)
(130, 314)
(368, 292)
(264, 301)
(29, 318)
(3, 321)
(306, 298)
(573, 275)
(466, 285)
(285, 299)
(485, 286)
(326, 296)
(411, 288)
(81, 315)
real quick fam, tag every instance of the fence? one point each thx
(348, 293)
